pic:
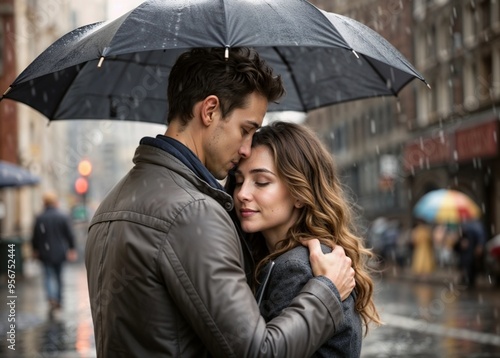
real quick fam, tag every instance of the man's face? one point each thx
(231, 137)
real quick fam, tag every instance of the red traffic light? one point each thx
(81, 186)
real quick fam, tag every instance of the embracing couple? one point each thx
(267, 266)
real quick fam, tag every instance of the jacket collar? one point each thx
(185, 155)
(156, 156)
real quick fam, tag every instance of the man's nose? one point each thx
(245, 149)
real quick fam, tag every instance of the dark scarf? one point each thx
(185, 155)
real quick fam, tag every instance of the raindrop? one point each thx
(313, 77)
(47, 246)
(45, 97)
(373, 128)
(42, 228)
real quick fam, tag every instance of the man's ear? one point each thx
(209, 109)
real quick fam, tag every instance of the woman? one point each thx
(286, 192)
(423, 261)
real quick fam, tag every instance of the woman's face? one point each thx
(262, 201)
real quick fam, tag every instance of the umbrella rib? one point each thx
(52, 116)
(74, 79)
(392, 89)
(294, 81)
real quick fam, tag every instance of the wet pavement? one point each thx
(68, 334)
(423, 319)
(435, 318)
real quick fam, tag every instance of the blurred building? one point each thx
(366, 136)
(455, 133)
(392, 151)
(53, 150)
(27, 27)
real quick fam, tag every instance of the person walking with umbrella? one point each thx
(167, 269)
(470, 247)
(423, 258)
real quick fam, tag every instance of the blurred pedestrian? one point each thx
(167, 269)
(404, 247)
(444, 238)
(470, 247)
(423, 259)
(287, 191)
(53, 243)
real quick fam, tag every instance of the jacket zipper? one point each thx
(265, 283)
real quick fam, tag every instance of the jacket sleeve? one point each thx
(202, 263)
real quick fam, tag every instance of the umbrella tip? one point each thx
(226, 53)
(428, 85)
(355, 54)
(101, 60)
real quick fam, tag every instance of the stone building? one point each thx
(392, 151)
(366, 136)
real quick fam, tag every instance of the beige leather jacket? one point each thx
(166, 275)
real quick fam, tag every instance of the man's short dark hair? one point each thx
(200, 73)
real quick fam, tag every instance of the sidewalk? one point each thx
(440, 276)
(36, 334)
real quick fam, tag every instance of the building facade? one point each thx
(366, 136)
(454, 137)
(392, 151)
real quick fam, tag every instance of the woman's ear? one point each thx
(298, 204)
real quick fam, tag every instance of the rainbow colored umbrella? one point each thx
(445, 206)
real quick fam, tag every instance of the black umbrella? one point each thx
(12, 175)
(119, 69)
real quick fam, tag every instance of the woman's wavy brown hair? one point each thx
(308, 171)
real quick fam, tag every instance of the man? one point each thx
(53, 243)
(167, 270)
(470, 247)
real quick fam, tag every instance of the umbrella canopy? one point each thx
(119, 69)
(446, 206)
(12, 175)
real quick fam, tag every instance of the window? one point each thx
(431, 43)
(2, 50)
(485, 9)
(485, 84)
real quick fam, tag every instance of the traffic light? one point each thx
(81, 186)
(82, 182)
(85, 167)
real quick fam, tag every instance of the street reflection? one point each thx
(434, 320)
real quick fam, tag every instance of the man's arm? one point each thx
(203, 260)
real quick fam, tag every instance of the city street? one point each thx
(422, 320)
(434, 319)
